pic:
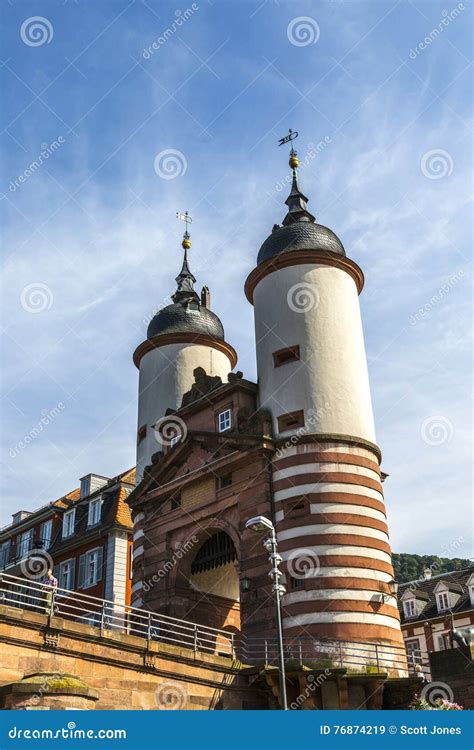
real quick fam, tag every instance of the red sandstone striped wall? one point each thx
(339, 546)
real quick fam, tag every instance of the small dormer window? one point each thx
(443, 601)
(175, 439)
(409, 607)
(95, 510)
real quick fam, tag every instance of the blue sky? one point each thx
(91, 243)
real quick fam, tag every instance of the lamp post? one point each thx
(393, 587)
(261, 524)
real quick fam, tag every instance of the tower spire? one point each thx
(296, 201)
(185, 280)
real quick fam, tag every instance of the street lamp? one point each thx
(393, 586)
(261, 524)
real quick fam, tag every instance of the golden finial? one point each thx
(186, 243)
(293, 161)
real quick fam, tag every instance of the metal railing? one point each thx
(324, 653)
(107, 616)
(112, 616)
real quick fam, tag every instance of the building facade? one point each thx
(299, 447)
(431, 608)
(85, 537)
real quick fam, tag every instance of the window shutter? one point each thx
(72, 578)
(99, 563)
(82, 563)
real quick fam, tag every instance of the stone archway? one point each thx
(207, 579)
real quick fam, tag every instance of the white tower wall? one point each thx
(317, 308)
(166, 374)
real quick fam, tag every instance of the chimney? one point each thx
(206, 297)
(427, 574)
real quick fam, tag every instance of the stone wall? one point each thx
(126, 672)
(455, 668)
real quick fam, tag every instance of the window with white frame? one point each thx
(24, 543)
(409, 607)
(224, 420)
(68, 523)
(66, 574)
(443, 642)
(95, 509)
(90, 568)
(470, 585)
(175, 439)
(413, 651)
(443, 601)
(46, 531)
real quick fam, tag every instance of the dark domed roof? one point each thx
(182, 318)
(301, 235)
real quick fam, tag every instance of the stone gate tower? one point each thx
(312, 375)
(181, 337)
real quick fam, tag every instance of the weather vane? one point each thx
(292, 134)
(294, 161)
(186, 243)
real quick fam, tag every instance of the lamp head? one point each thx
(259, 524)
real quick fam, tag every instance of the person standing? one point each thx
(50, 585)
